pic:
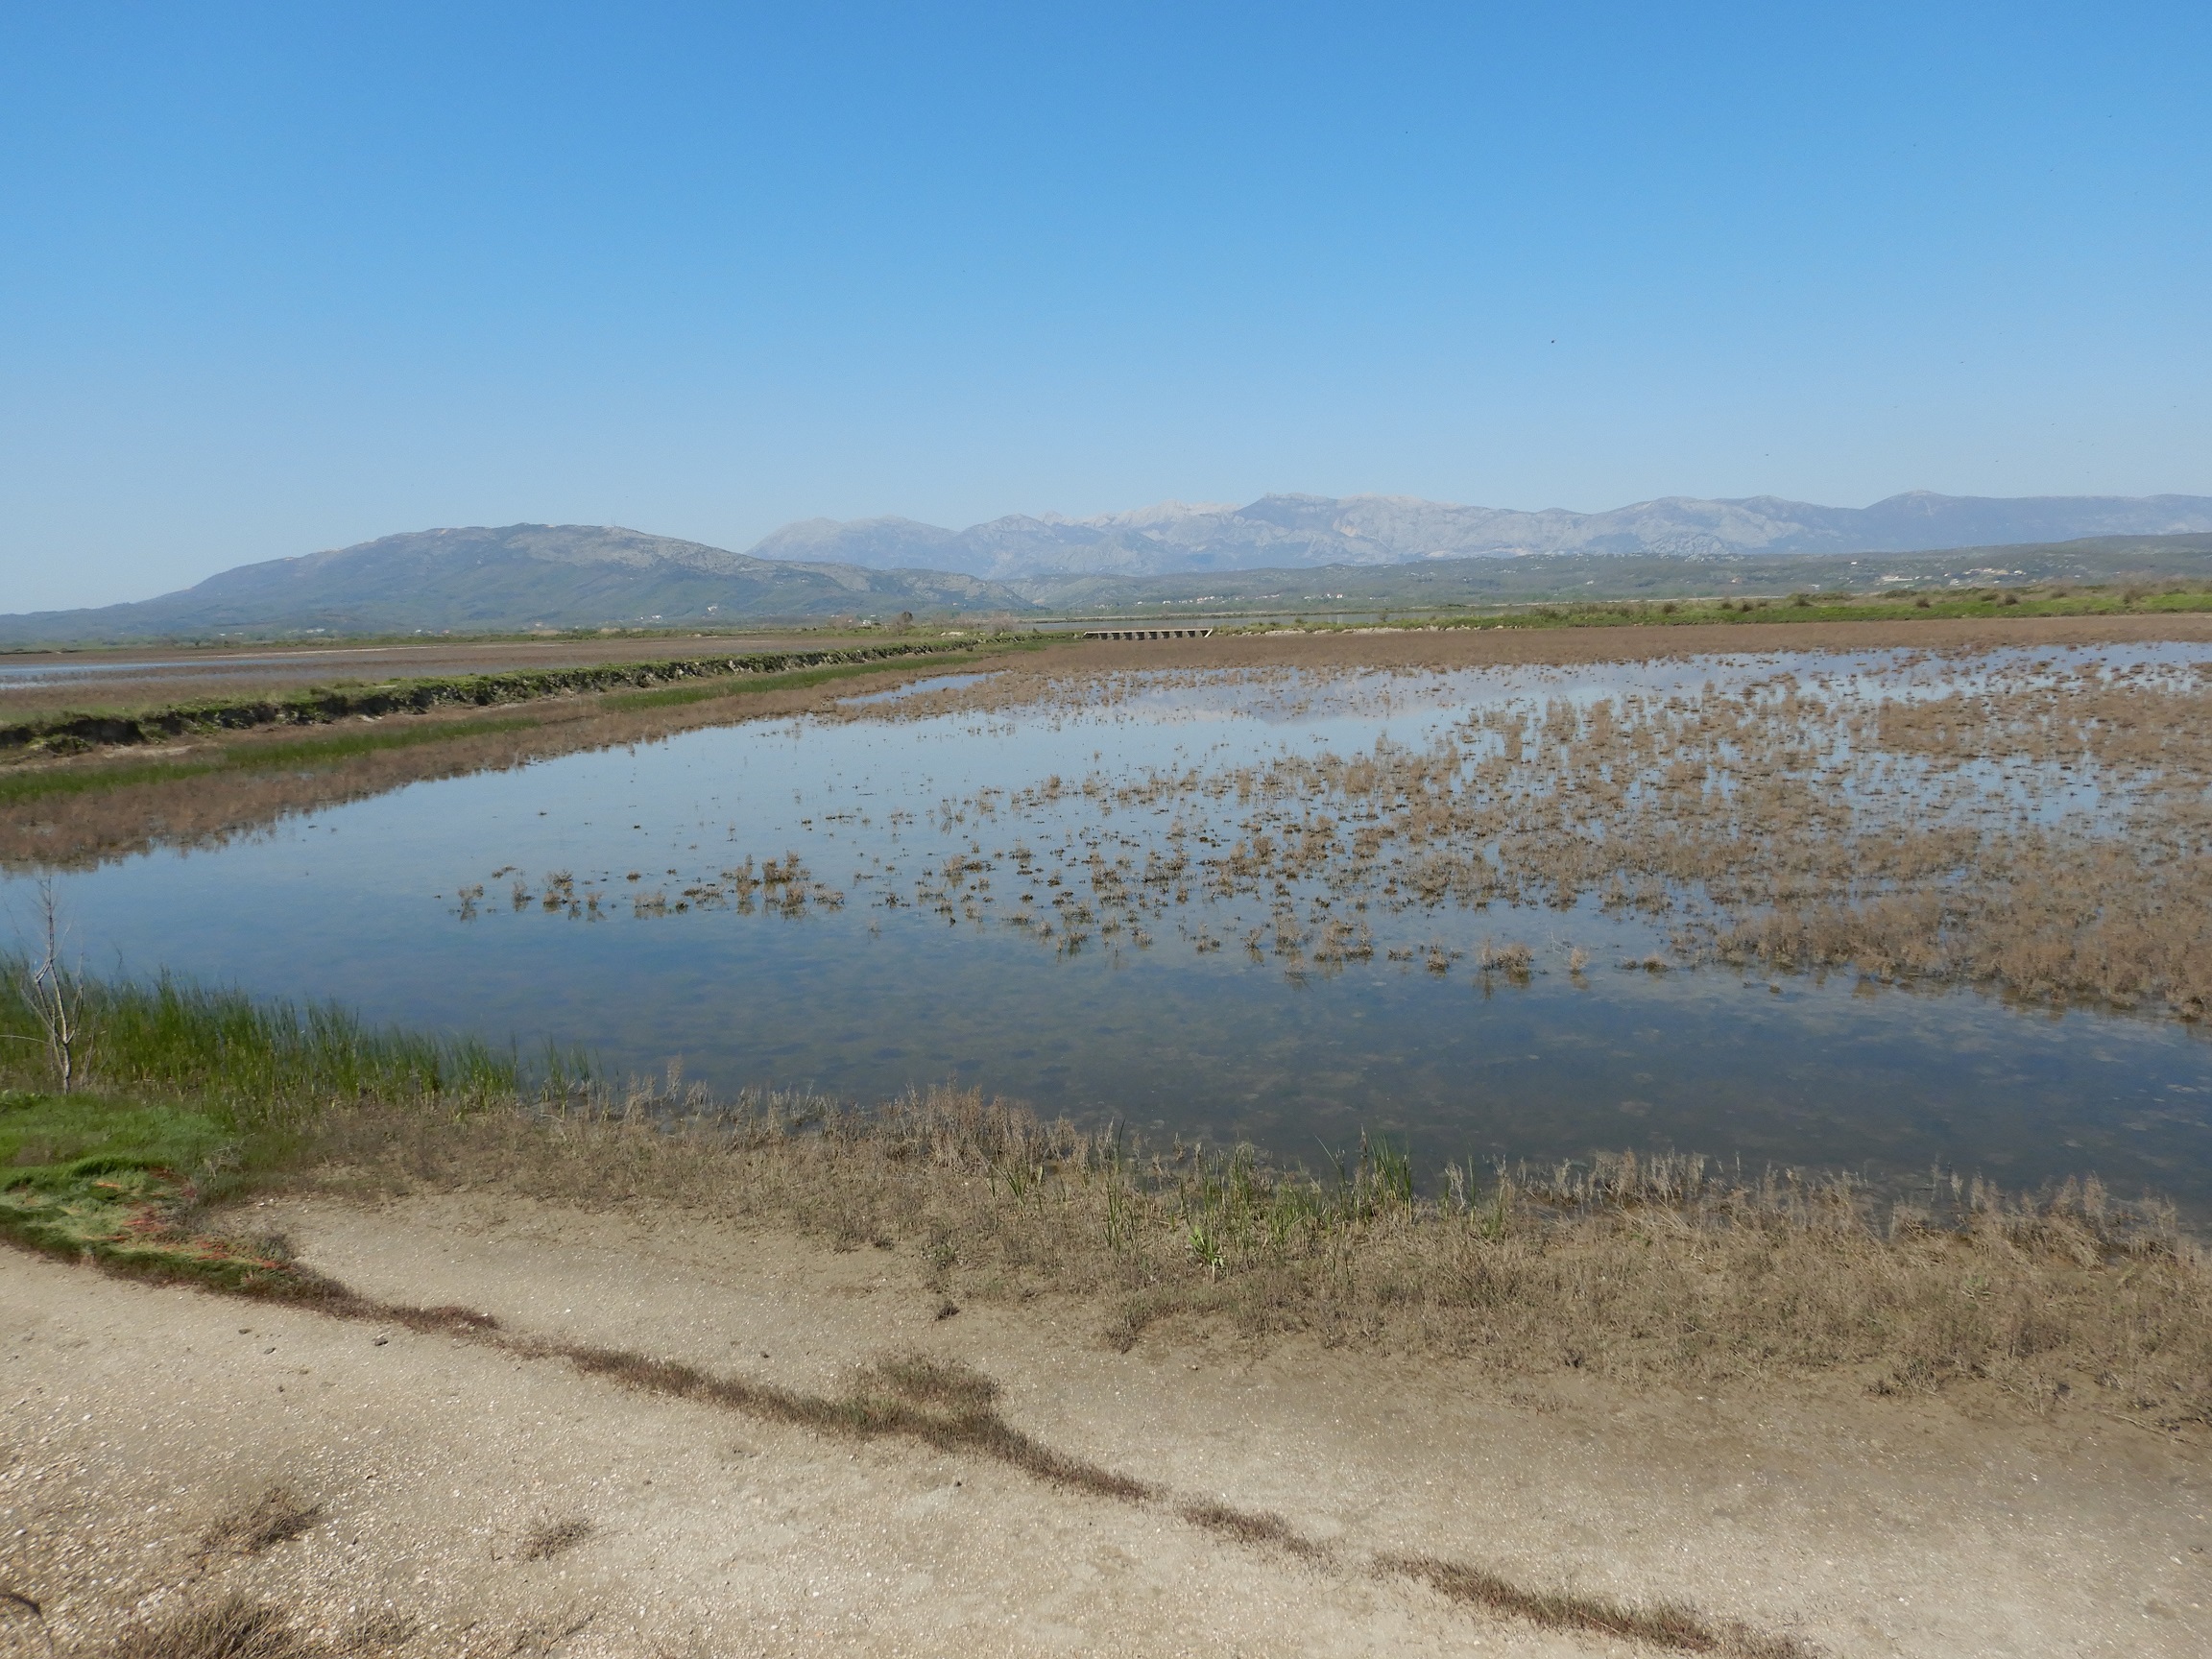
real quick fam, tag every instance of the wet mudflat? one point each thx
(1885, 909)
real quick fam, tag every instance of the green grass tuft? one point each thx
(257, 1065)
(87, 1176)
(45, 1132)
(195, 1089)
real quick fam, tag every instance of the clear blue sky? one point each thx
(280, 277)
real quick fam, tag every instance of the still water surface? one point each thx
(407, 908)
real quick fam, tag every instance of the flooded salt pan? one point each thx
(1877, 909)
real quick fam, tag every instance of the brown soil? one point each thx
(466, 1500)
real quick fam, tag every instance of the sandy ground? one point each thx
(132, 1416)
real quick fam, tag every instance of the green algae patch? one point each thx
(44, 1131)
(88, 1177)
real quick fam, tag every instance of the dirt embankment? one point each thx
(65, 732)
(465, 1497)
(199, 790)
(40, 682)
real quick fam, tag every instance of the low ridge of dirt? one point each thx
(35, 682)
(422, 1495)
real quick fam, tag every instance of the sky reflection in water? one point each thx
(362, 904)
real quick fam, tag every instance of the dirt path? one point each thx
(132, 1416)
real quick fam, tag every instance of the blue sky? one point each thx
(280, 277)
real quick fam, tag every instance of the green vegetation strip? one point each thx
(121, 1204)
(200, 1089)
(318, 752)
(68, 733)
(311, 751)
(676, 696)
(1928, 607)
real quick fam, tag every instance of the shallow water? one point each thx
(406, 907)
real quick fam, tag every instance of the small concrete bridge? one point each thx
(1149, 633)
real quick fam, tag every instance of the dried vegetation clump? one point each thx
(1668, 1626)
(236, 1627)
(551, 1538)
(1665, 1268)
(2043, 829)
(275, 1517)
(2038, 827)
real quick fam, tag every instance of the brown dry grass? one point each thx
(1665, 1269)
(1258, 1528)
(554, 1538)
(1668, 1626)
(880, 1405)
(2039, 830)
(235, 1628)
(275, 1517)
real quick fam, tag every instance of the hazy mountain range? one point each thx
(1293, 531)
(586, 576)
(522, 576)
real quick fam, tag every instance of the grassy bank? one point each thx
(1665, 1269)
(195, 1095)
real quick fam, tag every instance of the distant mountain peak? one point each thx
(1159, 513)
(490, 578)
(483, 578)
(1289, 529)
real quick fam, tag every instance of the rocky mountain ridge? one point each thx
(516, 577)
(523, 576)
(1295, 531)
